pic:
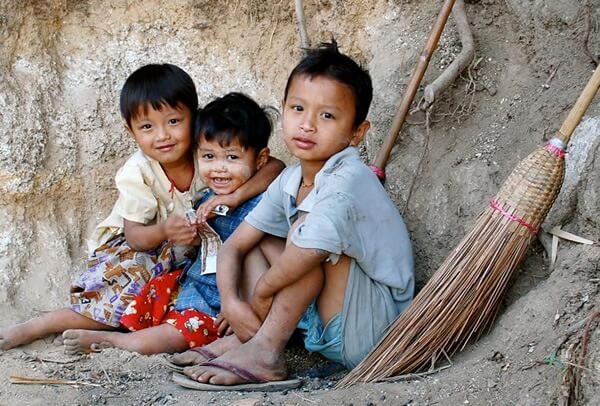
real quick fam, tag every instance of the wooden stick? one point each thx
(578, 110)
(304, 41)
(413, 86)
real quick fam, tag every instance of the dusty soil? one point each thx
(64, 62)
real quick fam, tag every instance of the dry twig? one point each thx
(546, 84)
(273, 31)
(44, 381)
(305, 399)
(410, 377)
(421, 159)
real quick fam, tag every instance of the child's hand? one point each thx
(242, 319)
(204, 211)
(261, 305)
(180, 231)
(223, 327)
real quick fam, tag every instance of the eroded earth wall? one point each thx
(63, 63)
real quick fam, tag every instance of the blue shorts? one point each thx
(326, 340)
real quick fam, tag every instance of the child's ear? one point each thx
(128, 128)
(360, 133)
(262, 157)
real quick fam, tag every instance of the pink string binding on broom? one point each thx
(556, 150)
(494, 204)
(557, 147)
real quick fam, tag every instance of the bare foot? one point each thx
(78, 341)
(218, 348)
(251, 356)
(17, 335)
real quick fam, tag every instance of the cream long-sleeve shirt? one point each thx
(145, 196)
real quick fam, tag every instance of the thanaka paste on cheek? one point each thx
(245, 171)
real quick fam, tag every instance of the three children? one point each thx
(325, 249)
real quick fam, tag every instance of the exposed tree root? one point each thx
(460, 63)
(589, 29)
(575, 388)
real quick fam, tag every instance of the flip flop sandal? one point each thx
(254, 383)
(205, 352)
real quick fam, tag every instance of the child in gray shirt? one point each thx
(325, 247)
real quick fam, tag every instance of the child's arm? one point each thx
(138, 203)
(144, 237)
(294, 263)
(254, 186)
(238, 313)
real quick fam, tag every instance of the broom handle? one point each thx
(578, 110)
(413, 86)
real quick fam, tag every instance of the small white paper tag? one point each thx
(209, 248)
(210, 265)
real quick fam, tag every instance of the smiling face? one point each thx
(318, 117)
(226, 168)
(164, 135)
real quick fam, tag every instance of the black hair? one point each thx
(234, 116)
(328, 61)
(157, 85)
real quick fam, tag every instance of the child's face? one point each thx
(226, 168)
(318, 117)
(165, 134)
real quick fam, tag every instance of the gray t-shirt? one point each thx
(350, 213)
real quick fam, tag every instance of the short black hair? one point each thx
(326, 60)
(234, 116)
(157, 85)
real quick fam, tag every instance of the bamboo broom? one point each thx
(463, 296)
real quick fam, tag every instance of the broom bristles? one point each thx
(472, 291)
(462, 298)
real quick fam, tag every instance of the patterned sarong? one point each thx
(115, 275)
